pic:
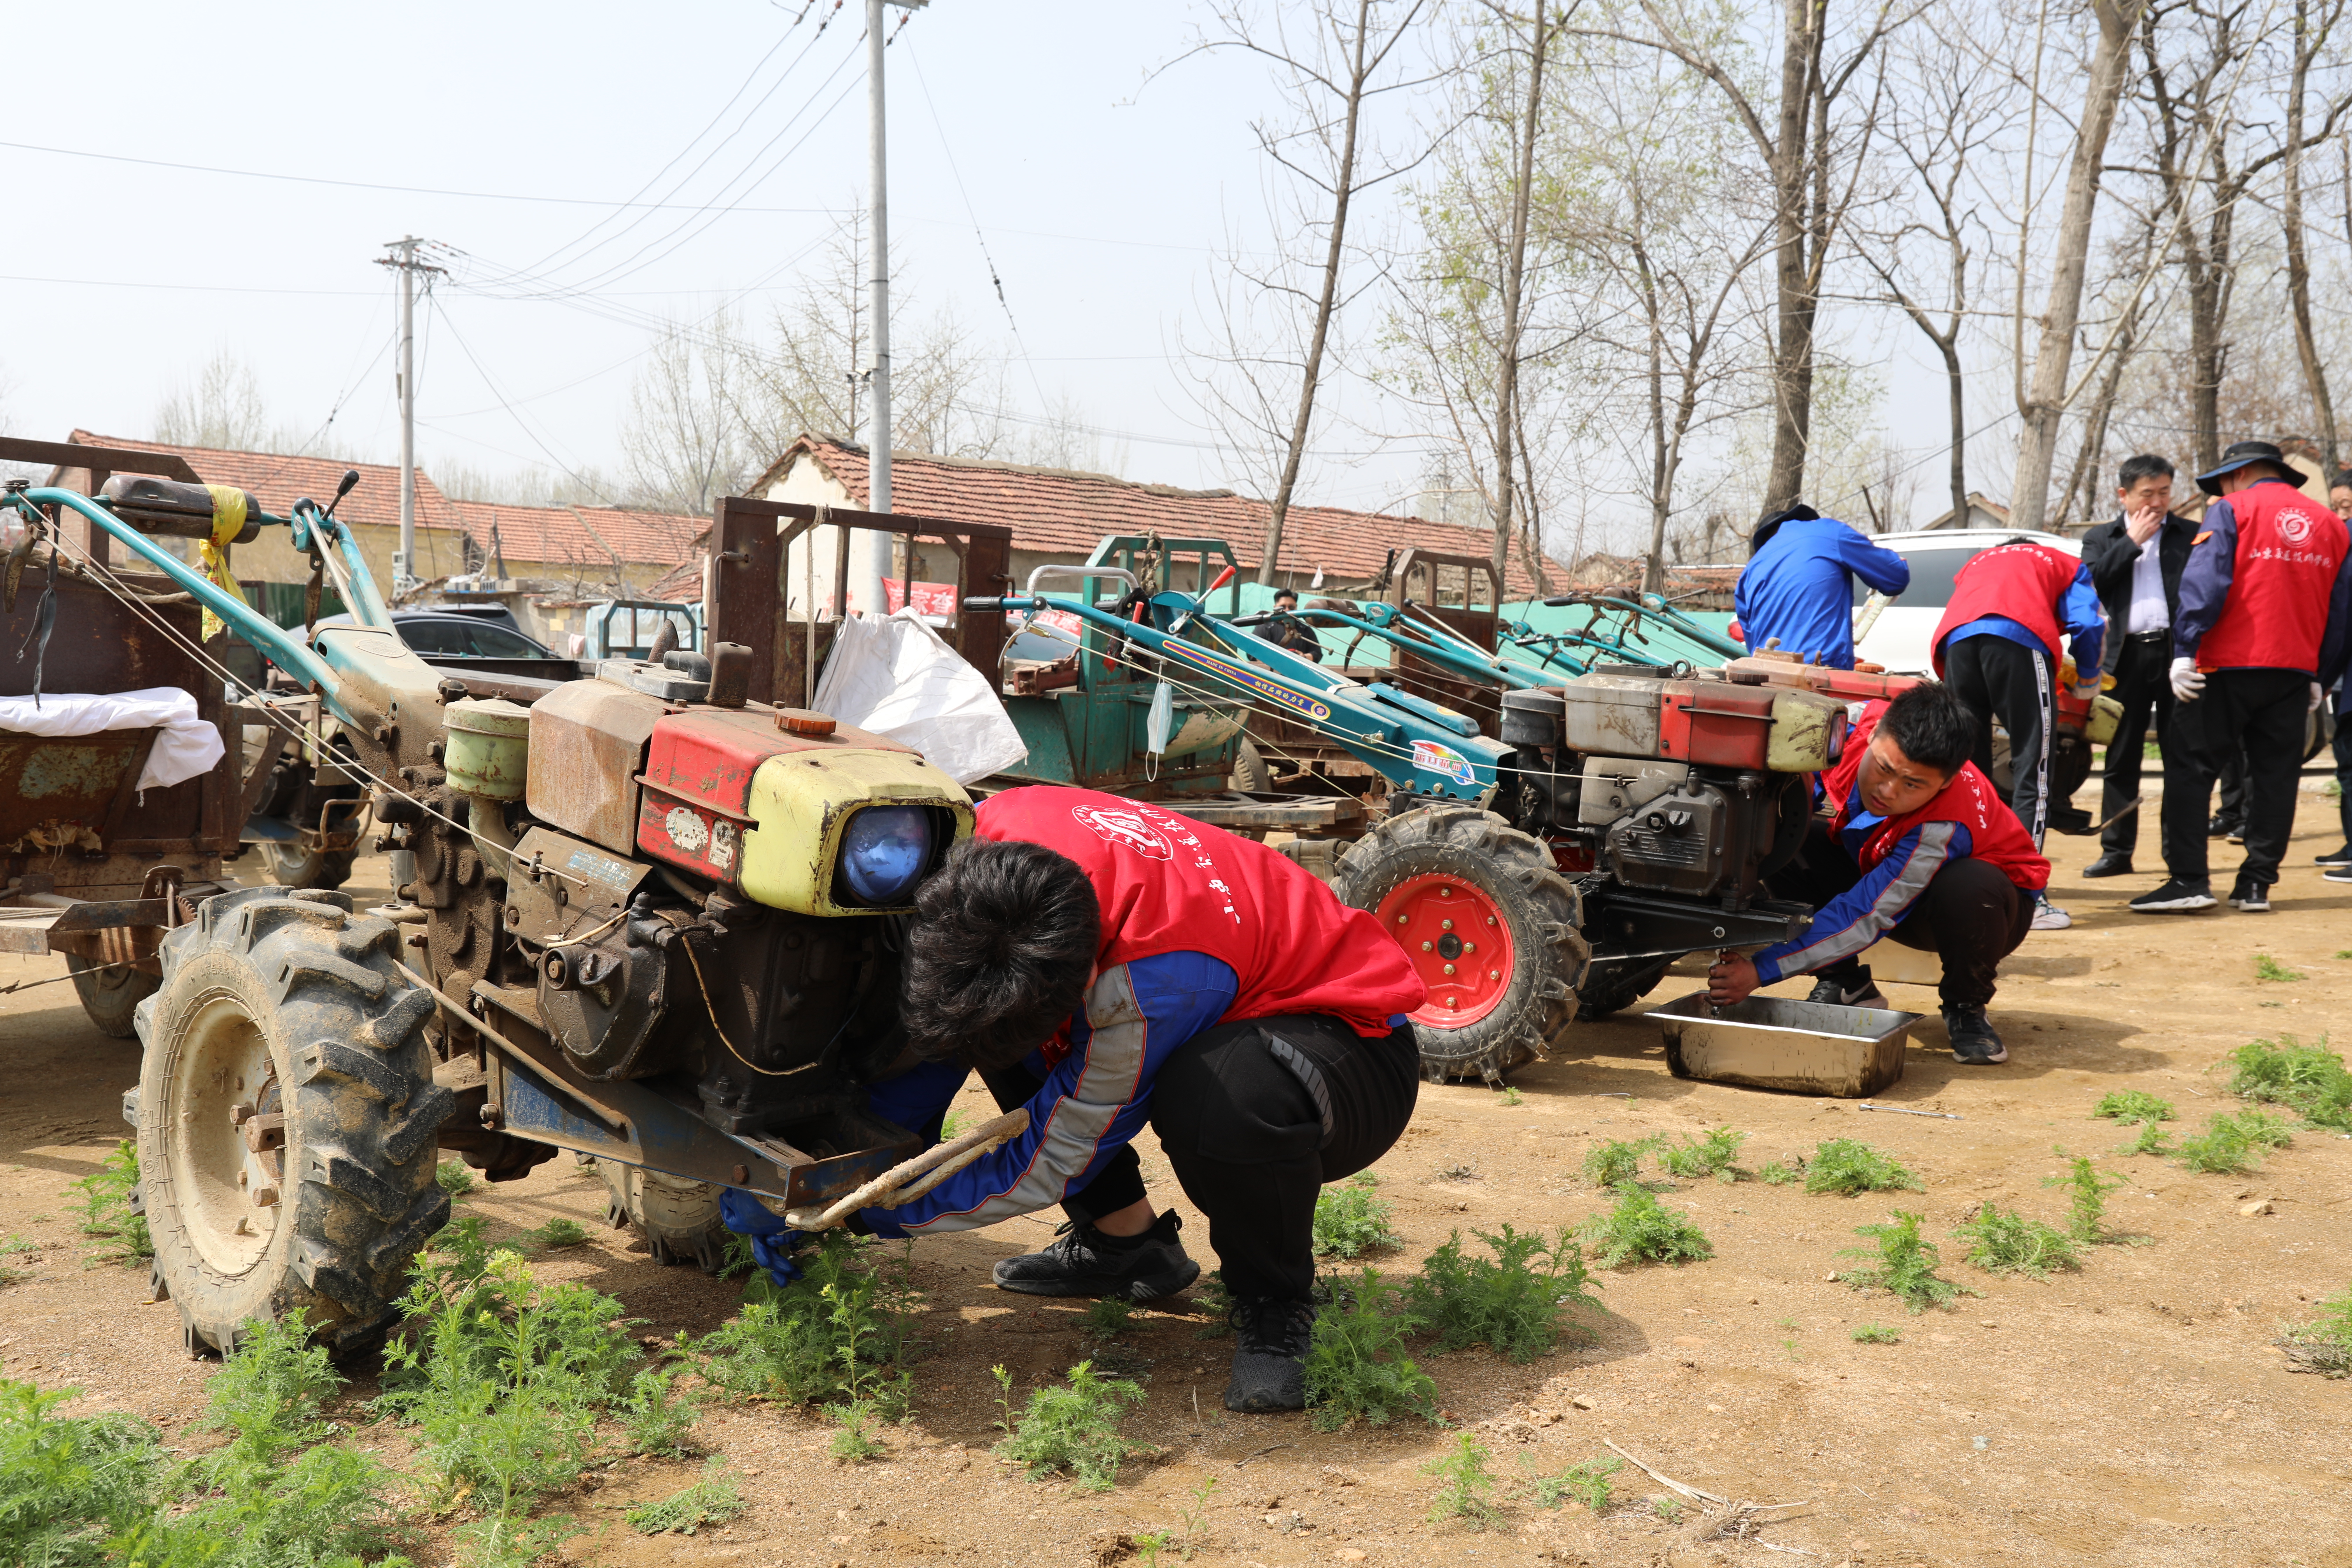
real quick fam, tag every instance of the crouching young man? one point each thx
(1921, 848)
(1108, 963)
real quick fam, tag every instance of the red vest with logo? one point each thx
(1168, 884)
(2022, 581)
(2289, 550)
(1995, 835)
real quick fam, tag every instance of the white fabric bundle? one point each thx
(188, 746)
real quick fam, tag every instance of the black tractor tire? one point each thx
(1515, 874)
(1617, 987)
(110, 993)
(286, 1003)
(1250, 774)
(678, 1218)
(289, 865)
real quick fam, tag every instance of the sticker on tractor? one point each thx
(723, 845)
(1443, 760)
(1282, 696)
(1126, 827)
(686, 829)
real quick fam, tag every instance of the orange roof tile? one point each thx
(1053, 510)
(277, 480)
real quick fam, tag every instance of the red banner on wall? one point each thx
(934, 601)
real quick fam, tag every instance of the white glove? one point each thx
(2188, 680)
(2315, 695)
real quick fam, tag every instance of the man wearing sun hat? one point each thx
(2266, 607)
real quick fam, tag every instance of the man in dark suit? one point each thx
(2136, 563)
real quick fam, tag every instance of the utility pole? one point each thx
(403, 257)
(877, 437)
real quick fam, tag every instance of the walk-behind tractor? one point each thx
(651, 923)
(1623, 819)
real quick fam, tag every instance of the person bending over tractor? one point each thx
(1921, 848)
(1797, 590)
(1108, 963)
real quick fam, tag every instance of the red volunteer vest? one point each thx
(1168, 884)
(1995, 835)
(2289, 550)
(2022, 581)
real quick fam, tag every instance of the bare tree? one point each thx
(2313, 24)
(219, 407)
(1525, 131)
(1331, 60)
(2044, 404)
(684, 443)
(1812, 161)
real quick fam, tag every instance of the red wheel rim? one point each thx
(1457, 940)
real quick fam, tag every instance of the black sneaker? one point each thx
(1270, 1359)
(2174, 898)
(2223, 827)
(1974, 1043)
(2237, 835)
(2253, 898)
(1085, 1262)
(2335, 857)
(2337, 873)
(1834, 993)
(2114, 863)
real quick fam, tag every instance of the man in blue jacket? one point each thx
(1797, 589)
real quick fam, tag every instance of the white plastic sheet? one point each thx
(187, 746)
(899, 678)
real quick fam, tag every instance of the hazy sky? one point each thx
(1101, 200)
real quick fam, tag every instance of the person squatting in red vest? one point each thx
(1998, 644)
(2265, 606)
(1108, 963)
(1921, 848)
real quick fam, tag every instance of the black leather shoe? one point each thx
(2223, 827)
(2114, 863)
(1084, 1262)
(1270, 1361)
(2335, 856)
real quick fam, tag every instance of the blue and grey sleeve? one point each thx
(1872, 907)
(2205, 580)
(1875, 564)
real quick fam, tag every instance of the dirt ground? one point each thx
(2134, 1412)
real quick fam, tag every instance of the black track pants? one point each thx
(2264, 711)
(1971, 915)
(1252, 1142)
(2143, 687)
(2006, 680)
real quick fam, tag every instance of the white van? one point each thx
(1900, 638)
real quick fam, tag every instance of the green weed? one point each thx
(2228, 1145)
(2269, 969)
(1709, 1155)
(1511, 1095)
(1641, 1230)
(454, 1178)
(1614, 1163)
(2012, 1244)
(657, 1415)
(1877, 1334)
(1468, 1493)
(2130, 1105)
(2323, 1345)
(500, 1542)
(950, 1126)
(712, 1499)
(1190, 1523)
(1109, 1315)
(106, 1208)
(1846, 1166)
(1906, 1265)
(1074, 1427)
(739, 1259)
(1780, 1174)
(1357, 1368)
(1218, 1303)
(556, 1233)
(2152, 1139)
(829, 1334)
(66, 1484)
(2087, 1191)
(853, 1444)
(18, 1245)
(1514, 1303)
(1586, 1483)
(1668, 1509)
(2310, 1080)
(1350, 1221)
(275, 1492)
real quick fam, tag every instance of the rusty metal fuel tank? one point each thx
(587, 749)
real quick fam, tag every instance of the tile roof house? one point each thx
(1059, 515)
(580, 547)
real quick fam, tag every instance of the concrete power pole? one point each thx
(877, 438)
(403, 258)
